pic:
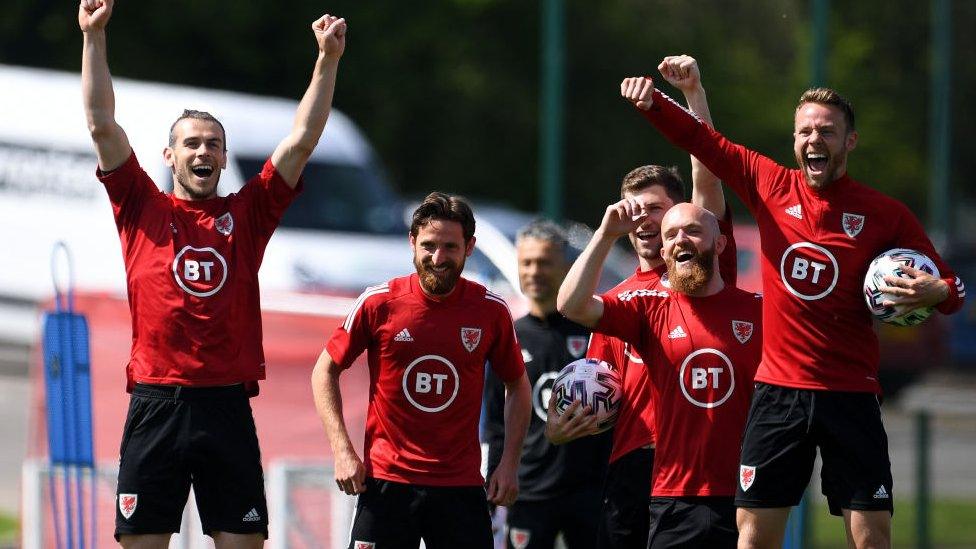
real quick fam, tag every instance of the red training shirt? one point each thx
(426, 374)
(192, 276)
(816, 248)
(701, 354)
(634, 427)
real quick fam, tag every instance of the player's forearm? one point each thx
(328, 403)
(518, 410)
(575, 299)
(706, 187)
(685, 130)
(313, 112)
(96, 84)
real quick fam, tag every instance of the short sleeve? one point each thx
(607, 349)
(129, 188)
(624, 315)
(600, 347)
(505, 356)
(268, 196)
(352, 337)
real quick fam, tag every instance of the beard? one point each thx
(690, 281)
(436, 283)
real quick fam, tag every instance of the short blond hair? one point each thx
(827, 96)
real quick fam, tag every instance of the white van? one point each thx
(346, 231)
(48, 190)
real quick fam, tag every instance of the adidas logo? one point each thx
(881, 493)
(253, 516)
(796, 211)
(404, 335)
(677, 333)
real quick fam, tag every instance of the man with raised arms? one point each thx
(192, 261)
(818, 382)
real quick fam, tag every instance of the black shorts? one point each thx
(784, 430)
(626, 492)
(692, 522)
(393, 515)
(535, 524)
(177, 435)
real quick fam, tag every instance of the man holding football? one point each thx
(818, 382)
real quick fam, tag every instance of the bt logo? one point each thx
(808, 271)
(200, 271)
(431, 383)
(707, 378)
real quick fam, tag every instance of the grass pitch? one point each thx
(952, 524)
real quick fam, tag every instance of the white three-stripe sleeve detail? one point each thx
(374, 290)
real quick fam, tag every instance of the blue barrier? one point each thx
(67, 382)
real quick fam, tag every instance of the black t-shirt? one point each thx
(545, 471)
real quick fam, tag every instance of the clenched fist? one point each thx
(93, 15)
(639, 91)
(330, 33)
(681, 71)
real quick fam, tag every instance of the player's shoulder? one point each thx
(369, 300)
(491, 299)
(637, 281)
(873, 198)
(478, 297)
(380, 293)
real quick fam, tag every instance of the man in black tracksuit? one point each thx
(560, 487)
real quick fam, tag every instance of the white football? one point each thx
(889, 264)
(592, 382)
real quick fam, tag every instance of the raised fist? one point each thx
(681, 71)
(639, 90)
(94, 14)
(330, 33)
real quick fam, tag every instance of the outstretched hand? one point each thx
(639, 91)
(681, 71)
(93, 15)
(330, 33)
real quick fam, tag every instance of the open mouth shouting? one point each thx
(684, 256)
(203, 171)
(816, 162)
